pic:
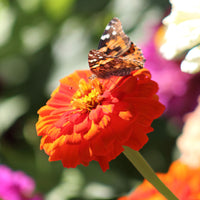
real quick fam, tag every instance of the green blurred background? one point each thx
(41, 41)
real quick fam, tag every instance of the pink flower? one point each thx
(16, 185)
(178, 91)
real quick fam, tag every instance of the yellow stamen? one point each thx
(87, 97)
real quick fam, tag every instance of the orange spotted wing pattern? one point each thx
(116, 54)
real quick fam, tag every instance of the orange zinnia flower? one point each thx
(89, 120)
(181, 179)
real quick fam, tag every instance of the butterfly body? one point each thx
(117, 55)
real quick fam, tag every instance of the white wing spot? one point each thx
(106, 36)
(107, 27)
(94, 60)
(114, 33)
(100, 57)
(113, 21)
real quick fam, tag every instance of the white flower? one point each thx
(191, 63)
(183, 32)
(189, 141)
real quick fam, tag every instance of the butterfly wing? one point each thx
(134, 55)
(104, 66)
(114, 41)
(117, 55)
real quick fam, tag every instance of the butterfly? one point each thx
(116, 54)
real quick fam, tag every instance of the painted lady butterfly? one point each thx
(116, 54)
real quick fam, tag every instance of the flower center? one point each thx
(88, 96)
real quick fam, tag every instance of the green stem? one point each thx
(147, 172)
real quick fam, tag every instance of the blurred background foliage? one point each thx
(42, 41)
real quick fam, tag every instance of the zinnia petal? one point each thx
(91, 119)
(181, 179)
